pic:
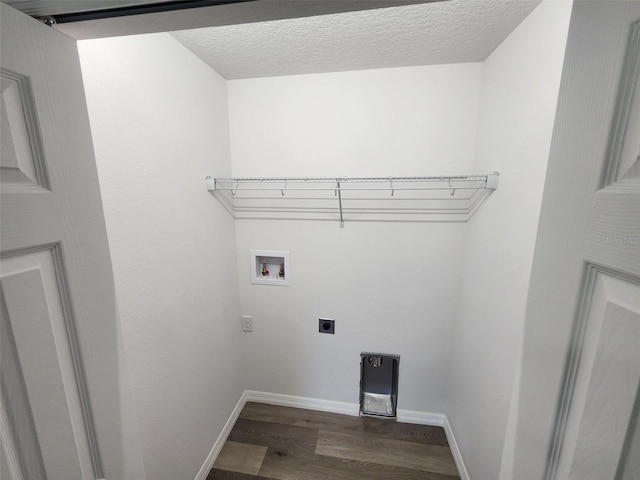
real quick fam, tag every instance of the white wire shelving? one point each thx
(448, 198)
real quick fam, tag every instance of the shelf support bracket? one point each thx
(340, 203)
(492, 181)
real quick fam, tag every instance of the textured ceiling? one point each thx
(213, 16)
(453, 31)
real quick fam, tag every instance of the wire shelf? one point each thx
(450, 198)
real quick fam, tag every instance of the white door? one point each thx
(579, 398)
(65, 410)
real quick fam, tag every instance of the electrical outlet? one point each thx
(247, 323)
(326, 325)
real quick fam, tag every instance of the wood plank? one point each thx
(406, 432)
(286, 439)
(290, 436)
(302, 418)
(217, 474)
(306, 466)
(426, 458)
(240, 457)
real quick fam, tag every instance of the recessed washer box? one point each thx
(270, 267)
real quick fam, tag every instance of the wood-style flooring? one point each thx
(282, 443)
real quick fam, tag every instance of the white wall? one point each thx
(518, 103)
(391, 287)
(159, 122)
(400, 121)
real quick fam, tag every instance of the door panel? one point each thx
(65, 393)
(605, 379)
(35, 322)
(602, 377)
(614, 231)
(21, 155)
(623, 169)
(21, 450)
(630, 460)
(577, 411)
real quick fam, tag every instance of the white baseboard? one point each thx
(438, 420)
(331, 406)
(217, 446)
(345, 408)
(420, 418)
(455, 450)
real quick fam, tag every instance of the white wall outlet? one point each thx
(247, 323)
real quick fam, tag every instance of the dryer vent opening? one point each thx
(379, 384)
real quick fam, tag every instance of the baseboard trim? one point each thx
(420, 418)
(331, 406)
(217, 446)
(438, 420)
(455, 450)
(344, 408)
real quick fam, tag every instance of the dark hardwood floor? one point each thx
(282, 443)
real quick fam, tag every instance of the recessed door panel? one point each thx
(21, 162)
(38, 328)
(630, 460)
(21, 455)
(624, 161)
(606, 380)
